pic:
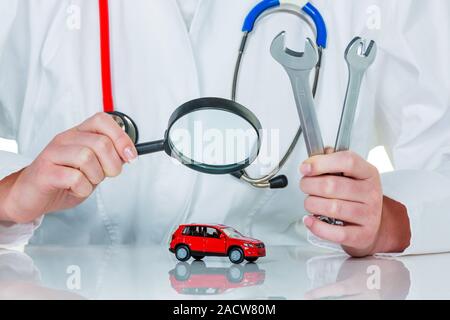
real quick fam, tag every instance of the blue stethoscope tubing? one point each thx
(308, 9)
(273, 180)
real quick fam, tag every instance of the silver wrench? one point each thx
(298, 66)
(359, 57)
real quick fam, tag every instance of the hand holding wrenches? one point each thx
(299, 65)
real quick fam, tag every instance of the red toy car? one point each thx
(200, 240)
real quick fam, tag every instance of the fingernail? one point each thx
(306, 169)
(130, 156)
(308, 221)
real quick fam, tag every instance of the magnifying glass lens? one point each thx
(214, 141)
(209, 135)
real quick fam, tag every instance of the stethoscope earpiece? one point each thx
(127, 125)
(279, 182)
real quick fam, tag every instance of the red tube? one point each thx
(105, 56)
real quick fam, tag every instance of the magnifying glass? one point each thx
(209, 135)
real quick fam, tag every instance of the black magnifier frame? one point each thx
(196, 105)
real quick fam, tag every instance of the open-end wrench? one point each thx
(359, 57)
(298, 66)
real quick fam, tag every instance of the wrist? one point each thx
(6, 205)
(395, 230)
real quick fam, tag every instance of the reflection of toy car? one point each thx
(198, 279)
(198, 241)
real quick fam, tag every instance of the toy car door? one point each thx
(195, 238)
(214, 242)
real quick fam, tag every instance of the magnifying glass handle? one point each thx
(150, 147)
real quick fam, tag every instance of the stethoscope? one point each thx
(305, 11)
(225, 108)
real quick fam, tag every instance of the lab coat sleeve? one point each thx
(14, 235)
(11, 235)
(414, 119)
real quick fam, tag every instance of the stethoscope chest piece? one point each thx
(127, 125)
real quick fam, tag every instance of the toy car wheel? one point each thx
(236, 255)
(235, 274)
(183, 253)
(198, 258)
(182, 271)
(251, 260)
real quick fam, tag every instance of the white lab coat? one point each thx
(50, 81)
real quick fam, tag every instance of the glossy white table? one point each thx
(154, 273)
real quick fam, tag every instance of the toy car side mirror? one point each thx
(222, 236)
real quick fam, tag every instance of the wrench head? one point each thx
(291, 59)
(361, 53)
